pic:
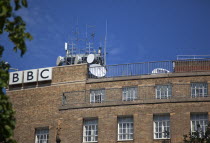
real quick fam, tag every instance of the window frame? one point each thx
(129, 93)
(93, 131)
(162, 121)
(129, 128)
(94, 94)
(199, 117)
(44, 131)
(194, 89)
(159, 88)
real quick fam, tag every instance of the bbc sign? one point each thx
(30, 76)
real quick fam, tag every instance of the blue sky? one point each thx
(138, 30)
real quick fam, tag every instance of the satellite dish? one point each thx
(90, 58)
(59, 61)
(97, 70)
(159, 71)
(78, 59)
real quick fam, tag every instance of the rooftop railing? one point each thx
(149, 68)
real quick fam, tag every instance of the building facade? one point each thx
(140, 108)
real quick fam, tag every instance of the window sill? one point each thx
(125, 140)
(163, 139)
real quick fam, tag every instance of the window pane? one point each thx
(42, 135)
(163, 91)
(90, 132)
(129, 93)
(161, 126)
(97, 96)
(156, 135)
(125, 128)
(199, 90)
(199, 122)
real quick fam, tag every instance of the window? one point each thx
(163, 91)
(90, 130)
(42, 135)
(129, 93)
(162, 126)
(199, 89)
(199, 122)
(125, 128)
(97, 96)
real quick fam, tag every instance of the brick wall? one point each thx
(188, 66)
(41, 106)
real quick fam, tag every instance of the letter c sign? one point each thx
(45, 74)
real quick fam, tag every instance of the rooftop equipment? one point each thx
(77, 55)
(97, 70)
(159, 71)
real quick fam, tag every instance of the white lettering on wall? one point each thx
(30, 76)
(45, 74)
(16, 77)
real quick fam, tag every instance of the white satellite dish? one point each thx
(97, 70)
(90, 58)
(59, 61)
(78, 59)
(159, 71)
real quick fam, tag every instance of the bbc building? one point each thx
(151, 102)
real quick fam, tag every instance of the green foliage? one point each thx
(198, 136)
(14, 26)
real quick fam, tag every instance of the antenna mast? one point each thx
(105, 45)
(89, 54)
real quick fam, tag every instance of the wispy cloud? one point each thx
(46, 37)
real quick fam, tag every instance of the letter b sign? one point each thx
(30, 76)
(16, 77)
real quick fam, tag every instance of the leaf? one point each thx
(28, 35)
(3, 11)
(17, 4)
(1, 50)
(24, 3)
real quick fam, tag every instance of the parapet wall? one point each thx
(69, 73)
(190, 66)
(61, 74)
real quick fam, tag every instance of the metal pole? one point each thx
(105, 45)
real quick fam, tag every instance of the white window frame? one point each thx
(90, 130)
(199, 119)
(161, 124)
(199, 90)
(125, 128)
(163, 91)
(129, 93)
(42, 135)
(97, 96)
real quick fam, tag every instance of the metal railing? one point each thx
(185, 57)
(148, 68)
(143, 94)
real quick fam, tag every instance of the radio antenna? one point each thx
(105, 40)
